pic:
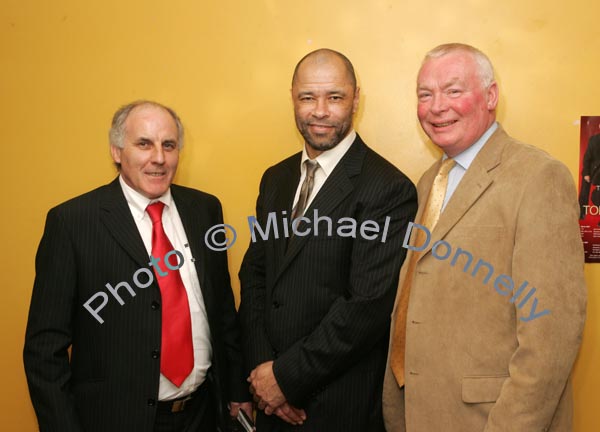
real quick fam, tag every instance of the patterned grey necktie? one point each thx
(306, 189)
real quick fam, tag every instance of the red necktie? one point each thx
(177, 353)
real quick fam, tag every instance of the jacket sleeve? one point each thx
(257, 348)
(235, 378)
(548, 253)
(49, 330)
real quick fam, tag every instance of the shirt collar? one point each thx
(466, 157)
(330, 158)
(138, 202)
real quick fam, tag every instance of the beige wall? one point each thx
(226, 67)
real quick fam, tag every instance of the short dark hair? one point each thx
(326, 52)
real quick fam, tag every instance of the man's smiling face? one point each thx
(455, 108)
(150, 152)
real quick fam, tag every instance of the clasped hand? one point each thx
(269, 397)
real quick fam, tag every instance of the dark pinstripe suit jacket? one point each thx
(111, 383)
(321, 310)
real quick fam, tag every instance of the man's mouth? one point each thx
(444, 124)
(319, 126)
(155, 174)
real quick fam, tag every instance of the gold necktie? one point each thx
(429, 219)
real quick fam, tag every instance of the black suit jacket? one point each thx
(111, 381)
(321, 309)
(591, 160)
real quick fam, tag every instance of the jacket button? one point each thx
(155, 305)
(275, 353)
(276, 305)
(155, 354)
(151, 402)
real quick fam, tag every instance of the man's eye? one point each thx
(306, 98)
(170, 145)
(143, 144)
(423, 96)
(454, 92)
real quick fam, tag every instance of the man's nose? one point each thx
(158, 155)
(321, 108)
(438, 103)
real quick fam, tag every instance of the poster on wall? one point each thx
(589, 187)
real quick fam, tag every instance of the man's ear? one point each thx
(492, 96)
(115, 152)
(356, 99)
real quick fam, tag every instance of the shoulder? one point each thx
(194, 196)
(524, 170)
(88, 202)
(193, 193)
(527, 160)
(374, 177)
(380, 169)
(284, 167)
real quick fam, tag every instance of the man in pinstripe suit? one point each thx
(315, 310)
(89, 259)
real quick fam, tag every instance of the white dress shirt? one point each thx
(327, 162)
(200, 329)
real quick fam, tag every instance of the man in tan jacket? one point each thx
(491, 306)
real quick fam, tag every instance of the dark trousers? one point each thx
(198, 415)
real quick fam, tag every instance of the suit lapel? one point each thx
(283, 202)
(116, 216)
(335, 190)
(195, 226)
(473, 184)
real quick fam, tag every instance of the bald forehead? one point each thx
(325, 58)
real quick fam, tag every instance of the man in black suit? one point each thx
(315, 308)
(95, 293)
(590, 172)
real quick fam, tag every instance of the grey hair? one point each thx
(484, 65)
(116, 134)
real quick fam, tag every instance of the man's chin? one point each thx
(154, 193)
(321, 147)
(322, 144)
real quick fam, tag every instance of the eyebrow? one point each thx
(450, 83)
(331, 92)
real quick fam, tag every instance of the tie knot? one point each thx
(447, 165)
(311, 167)
(155, 211)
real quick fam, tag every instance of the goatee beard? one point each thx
(324, 146)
